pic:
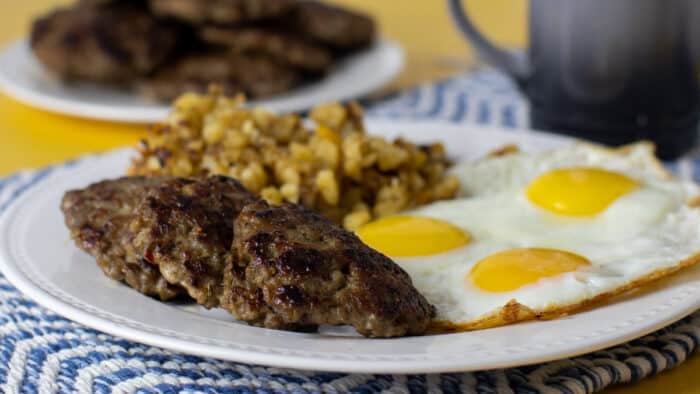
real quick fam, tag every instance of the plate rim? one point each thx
(101, 112)
(42, 296)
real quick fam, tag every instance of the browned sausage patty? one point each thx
(334, 26)
(114, 42)
(98, 218)
(284, 47)
(220, 11)
(296, 268)
(185, 227)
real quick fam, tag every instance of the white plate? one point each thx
(37, 255)
(25, 79)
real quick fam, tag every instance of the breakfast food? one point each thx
(113, 43)
(335, 169)
(98, 218)
(508, 238)
(282, 46)
(339, 28)
(164, 48)
(221, 11)
(539, 236)
(296, 266)
(185, 228)
(278, 267)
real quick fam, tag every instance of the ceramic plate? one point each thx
(37, 255)
(25, 79)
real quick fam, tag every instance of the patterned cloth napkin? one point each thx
(41, 352)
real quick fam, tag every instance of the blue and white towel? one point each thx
(41, 352)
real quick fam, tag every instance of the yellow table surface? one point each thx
(32, 138)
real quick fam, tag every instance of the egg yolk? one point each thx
(514, 268)
(578, 191)
(406, 236)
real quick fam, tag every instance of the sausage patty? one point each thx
(297, 269)
(98, 218)
(114, 42)
(220, 11)
(283, 47)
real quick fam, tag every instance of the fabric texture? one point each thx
(41, 352)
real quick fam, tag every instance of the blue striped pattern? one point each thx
(482, 97)
(41, 352)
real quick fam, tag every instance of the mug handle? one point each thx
(517, 67)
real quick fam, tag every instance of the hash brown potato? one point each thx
(335, 168)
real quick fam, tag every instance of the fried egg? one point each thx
(541, 235)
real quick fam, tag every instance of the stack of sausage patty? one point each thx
(164, 48)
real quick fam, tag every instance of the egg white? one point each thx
(517, 170)
(637, 238)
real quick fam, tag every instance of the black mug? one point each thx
(611, 71)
